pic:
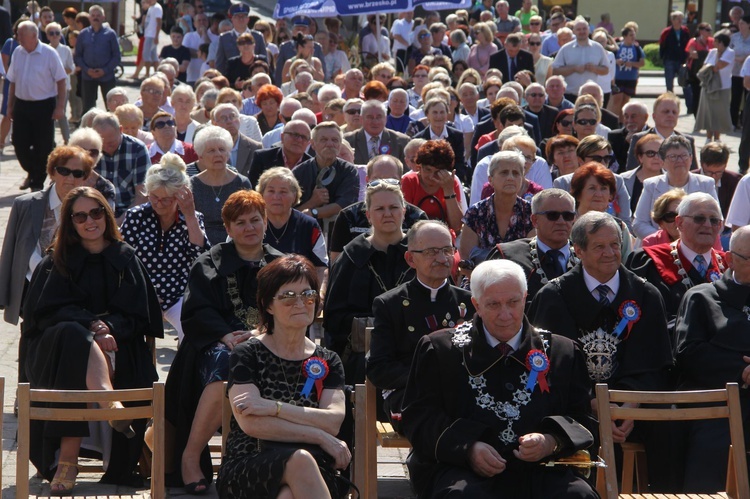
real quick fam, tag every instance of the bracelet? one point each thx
(278, 408)
(452, 196)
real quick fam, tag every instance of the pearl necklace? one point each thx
(681, 270)
(537, 264)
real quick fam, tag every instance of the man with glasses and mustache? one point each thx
(550, 253)
(414, 309)
(690, 260)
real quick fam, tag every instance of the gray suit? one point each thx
(394, 141)
(21, 238)
(245, 153)
(228, 48)
(656, 186)
(622, 196)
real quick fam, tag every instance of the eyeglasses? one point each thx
(54, 33)
(566, 123)
(583, 122)
(743, 257)
(297, 136)
(535, 23)
(388, 181)
(352, 111)
(245, 42)
(669, 217)
(534, 44)
(161, 124)
(420, 75)
(605, 160)
(289, 298)
(701, 219)
(82, 216)
(650, 154)
(152, 91)
(226, 118)
(554, 216)
(536, 94)
(160, 201)
(424, 35)
(446, 251)
(65, 172)
(678, 157)
(529, 159)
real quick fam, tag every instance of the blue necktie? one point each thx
(513, 69)
(603, 290)
(700, 265)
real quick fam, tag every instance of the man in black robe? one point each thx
(479, 418)
(672, 267)
(549, 254)
(419, 307)
(713, 349)
(616, 317)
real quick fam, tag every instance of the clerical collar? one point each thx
(592, 283)
(543, 248)
(433, 291)
(690, 254)
(514, 342)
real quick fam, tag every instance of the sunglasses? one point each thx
(536, 94)
(65, 172)
(701, 219)
(535, 24)
(669, 217)
(583, 122)
(245, 42)
(161, 124)
(554, 216)
(384, 181)
(54, 33)
(566, 123)
(535, 44)
(352, 111)
(297, 136)
(650, 154)
(308, 297)
(424, 35)
(82, 216)
(605, 160)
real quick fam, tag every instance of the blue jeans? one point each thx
(670, 71)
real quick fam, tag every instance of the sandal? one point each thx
(63, 479)
(122, 425)
(192, 488)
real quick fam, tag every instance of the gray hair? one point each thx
(96, 7)
(590, 223)
(283, 173)
(115, 92)
(209, 95)
(512, 158)
(327, 125)
(226, 23)
(328, 92)
(537, 86)
(289, 105)
(398, 91)
(186, 90)
(106, 119)
(552, 193)
(675, 142)
(737, 235)
(169, 173)
(458, 36)
(561, 78)
(492, 272)
(635, 103)
(224, 107)
(372, 104)
(256, 78)
(28, 26)
(691, 200)
(85, 134)
(304, 114)
(509, 132)
(415, 229)
(87, 119)
(414, 143)
(211, 133)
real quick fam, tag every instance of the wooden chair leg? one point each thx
(359, 469)
(371, 442)
(641, 472)
(628, 468)
(157, 459)
(22, 453)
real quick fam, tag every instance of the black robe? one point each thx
(208, 314)
(444, 414)
(519, 251)
(112, 286)
(352, 288)
(402, 316)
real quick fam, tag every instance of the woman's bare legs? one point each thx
(302, 478)
(206, 422)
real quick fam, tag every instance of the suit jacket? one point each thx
(245, 152)
(228, 48)
(610, 119)
(264, 159)
(633, 160)
(395, 141)
(621, 196)
(482, 113)
(456, 140)
(629, 178)
(620, 147)
(485, 127)
(21, 237)
(546, 118)
(656, 186)
(524, 60)
(729, 181)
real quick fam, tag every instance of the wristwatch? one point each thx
(314, 212)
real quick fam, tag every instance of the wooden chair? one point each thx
(368, 432)
(728, 407)
(28, 412)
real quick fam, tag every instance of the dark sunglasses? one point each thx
(669, 217)
(352, 111)
(161, 124)
(389, 181)
(535, 24)
(583, 122)
(65, 172)
(424, 35)
(650, 154)
(82, 216)
(565, 123)
(554, 216)
(701, 219)
(605, 160)
(535, 44)
(536, 94)
(54, 33)
(245, 42)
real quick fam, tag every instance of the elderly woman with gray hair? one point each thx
(167, 233)
(214, 180)
(502, 217)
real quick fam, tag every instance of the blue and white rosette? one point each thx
(316, 370)
(630, 313)
(714, 276)
(538, 365)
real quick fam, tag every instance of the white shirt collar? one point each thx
(690, 254)
(514, 342)
(443, 135)
(177, 147)
(369, 137)
(433, 291)
(592, 283)
(54, 202)
(543, 248)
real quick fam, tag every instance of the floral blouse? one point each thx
(481, 219)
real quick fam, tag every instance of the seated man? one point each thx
(691, 260)
(412, 310)
(549, 254)
(714, 157)
(479, 418)
(291, 153)
(712, 345)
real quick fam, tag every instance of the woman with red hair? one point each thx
(268, 99)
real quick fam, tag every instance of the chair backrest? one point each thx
(27, 413)
(724, 403)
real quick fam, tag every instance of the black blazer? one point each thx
(546, 118)
(483, 128)
(620, 146)
(729, 181)
(456, 140)
(610, 119)
(264, 159)
(524, 60)
(482, 113)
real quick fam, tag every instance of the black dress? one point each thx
(252, 468)
(111, 286)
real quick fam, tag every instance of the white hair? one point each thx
(492, 272)
(688, 203)
(169, 173)
(211, 133)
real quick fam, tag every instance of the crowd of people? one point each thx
(483, 190)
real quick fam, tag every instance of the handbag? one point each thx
(683, 76)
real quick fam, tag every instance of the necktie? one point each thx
(603, 291)
(374, 143)
(700, 265)
(551, 265)
(504, 349)
(513, 69)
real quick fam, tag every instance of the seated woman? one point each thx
(88, 309)
(282, 440)
(289, 230)
(649, 165)
(664, 215)
(370, 265)
(560, 152)
(527, 147)
(167, 234)
(502, 217)
(218, 313)
(165, 140)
